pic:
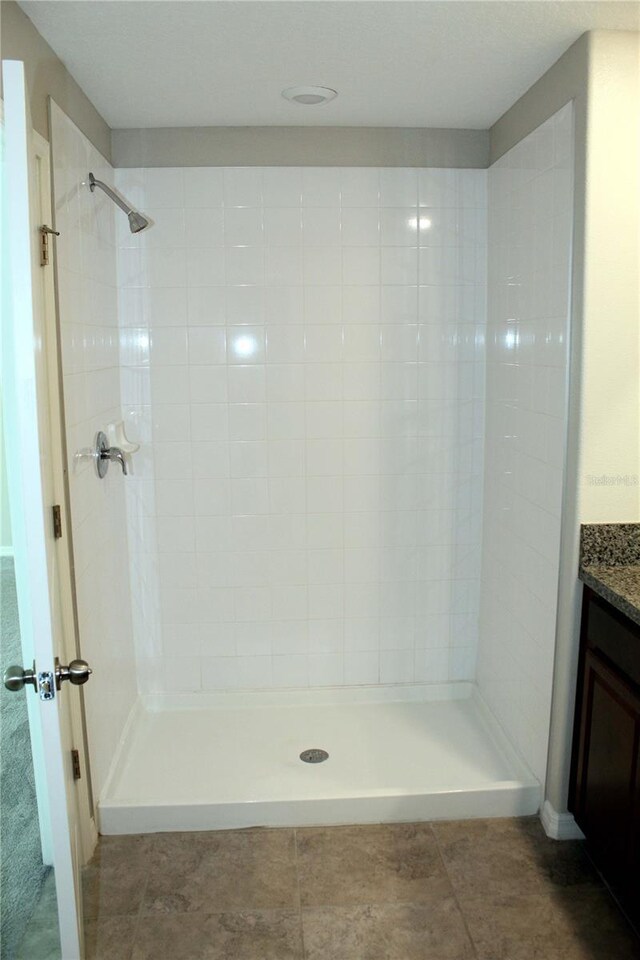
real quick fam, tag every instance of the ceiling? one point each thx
(423, 63)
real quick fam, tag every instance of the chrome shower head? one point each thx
(136, 221)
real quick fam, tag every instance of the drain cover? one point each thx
(314, 756)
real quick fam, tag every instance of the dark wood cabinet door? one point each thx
(607, 776)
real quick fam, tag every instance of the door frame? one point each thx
(47, 303)
(51, 399)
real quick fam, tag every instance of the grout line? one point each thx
(295, 846)
(142, 900)
(454, 891)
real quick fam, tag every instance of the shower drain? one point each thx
(314, 756)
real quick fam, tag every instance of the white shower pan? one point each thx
(233, 760)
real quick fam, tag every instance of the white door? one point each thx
(24, 395)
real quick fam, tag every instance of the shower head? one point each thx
(136, 221)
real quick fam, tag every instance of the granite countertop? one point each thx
(610, 564)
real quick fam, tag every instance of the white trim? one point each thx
(559, 826)
(55, 452)
(7, 550)
(24, 374)
(41, 146)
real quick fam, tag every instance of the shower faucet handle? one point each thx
(115, 455)
(105, 455)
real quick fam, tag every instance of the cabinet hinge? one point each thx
(57, 521)
(44, 243)
(75, 764)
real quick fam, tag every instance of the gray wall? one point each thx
(47, 76)
(300, 146)
(566, 80)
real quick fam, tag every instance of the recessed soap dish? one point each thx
(117, 437)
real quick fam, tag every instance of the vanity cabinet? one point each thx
(605, 778)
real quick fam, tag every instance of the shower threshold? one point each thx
(234, 760)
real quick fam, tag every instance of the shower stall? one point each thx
(341, 397)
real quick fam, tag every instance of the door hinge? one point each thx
(57, 521)
(44, 243)
(75, 765)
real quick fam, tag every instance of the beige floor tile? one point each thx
(254, 935)
(132, 850)
(115, 878)
(386, 931)
(509, 857)
(110, 939)
(222, 871)
(447, 831)
(377, 892)
(557, 926)
(382, 863)
(113, 891)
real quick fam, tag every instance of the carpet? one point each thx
(22, 872)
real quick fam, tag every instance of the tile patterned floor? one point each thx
(460, 890)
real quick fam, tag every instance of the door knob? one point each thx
(16, 677)
(78, 672)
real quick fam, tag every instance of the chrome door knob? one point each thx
(16, 677)
(78, 672)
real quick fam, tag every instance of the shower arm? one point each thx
(93, 183)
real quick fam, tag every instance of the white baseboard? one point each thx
(559, 826)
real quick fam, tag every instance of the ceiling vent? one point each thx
(309, 96)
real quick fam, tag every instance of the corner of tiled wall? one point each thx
(530, 223)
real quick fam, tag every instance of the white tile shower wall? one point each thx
(303, 358)
(86, 271)
(530, 217)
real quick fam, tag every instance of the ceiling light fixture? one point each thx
(309, 96)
